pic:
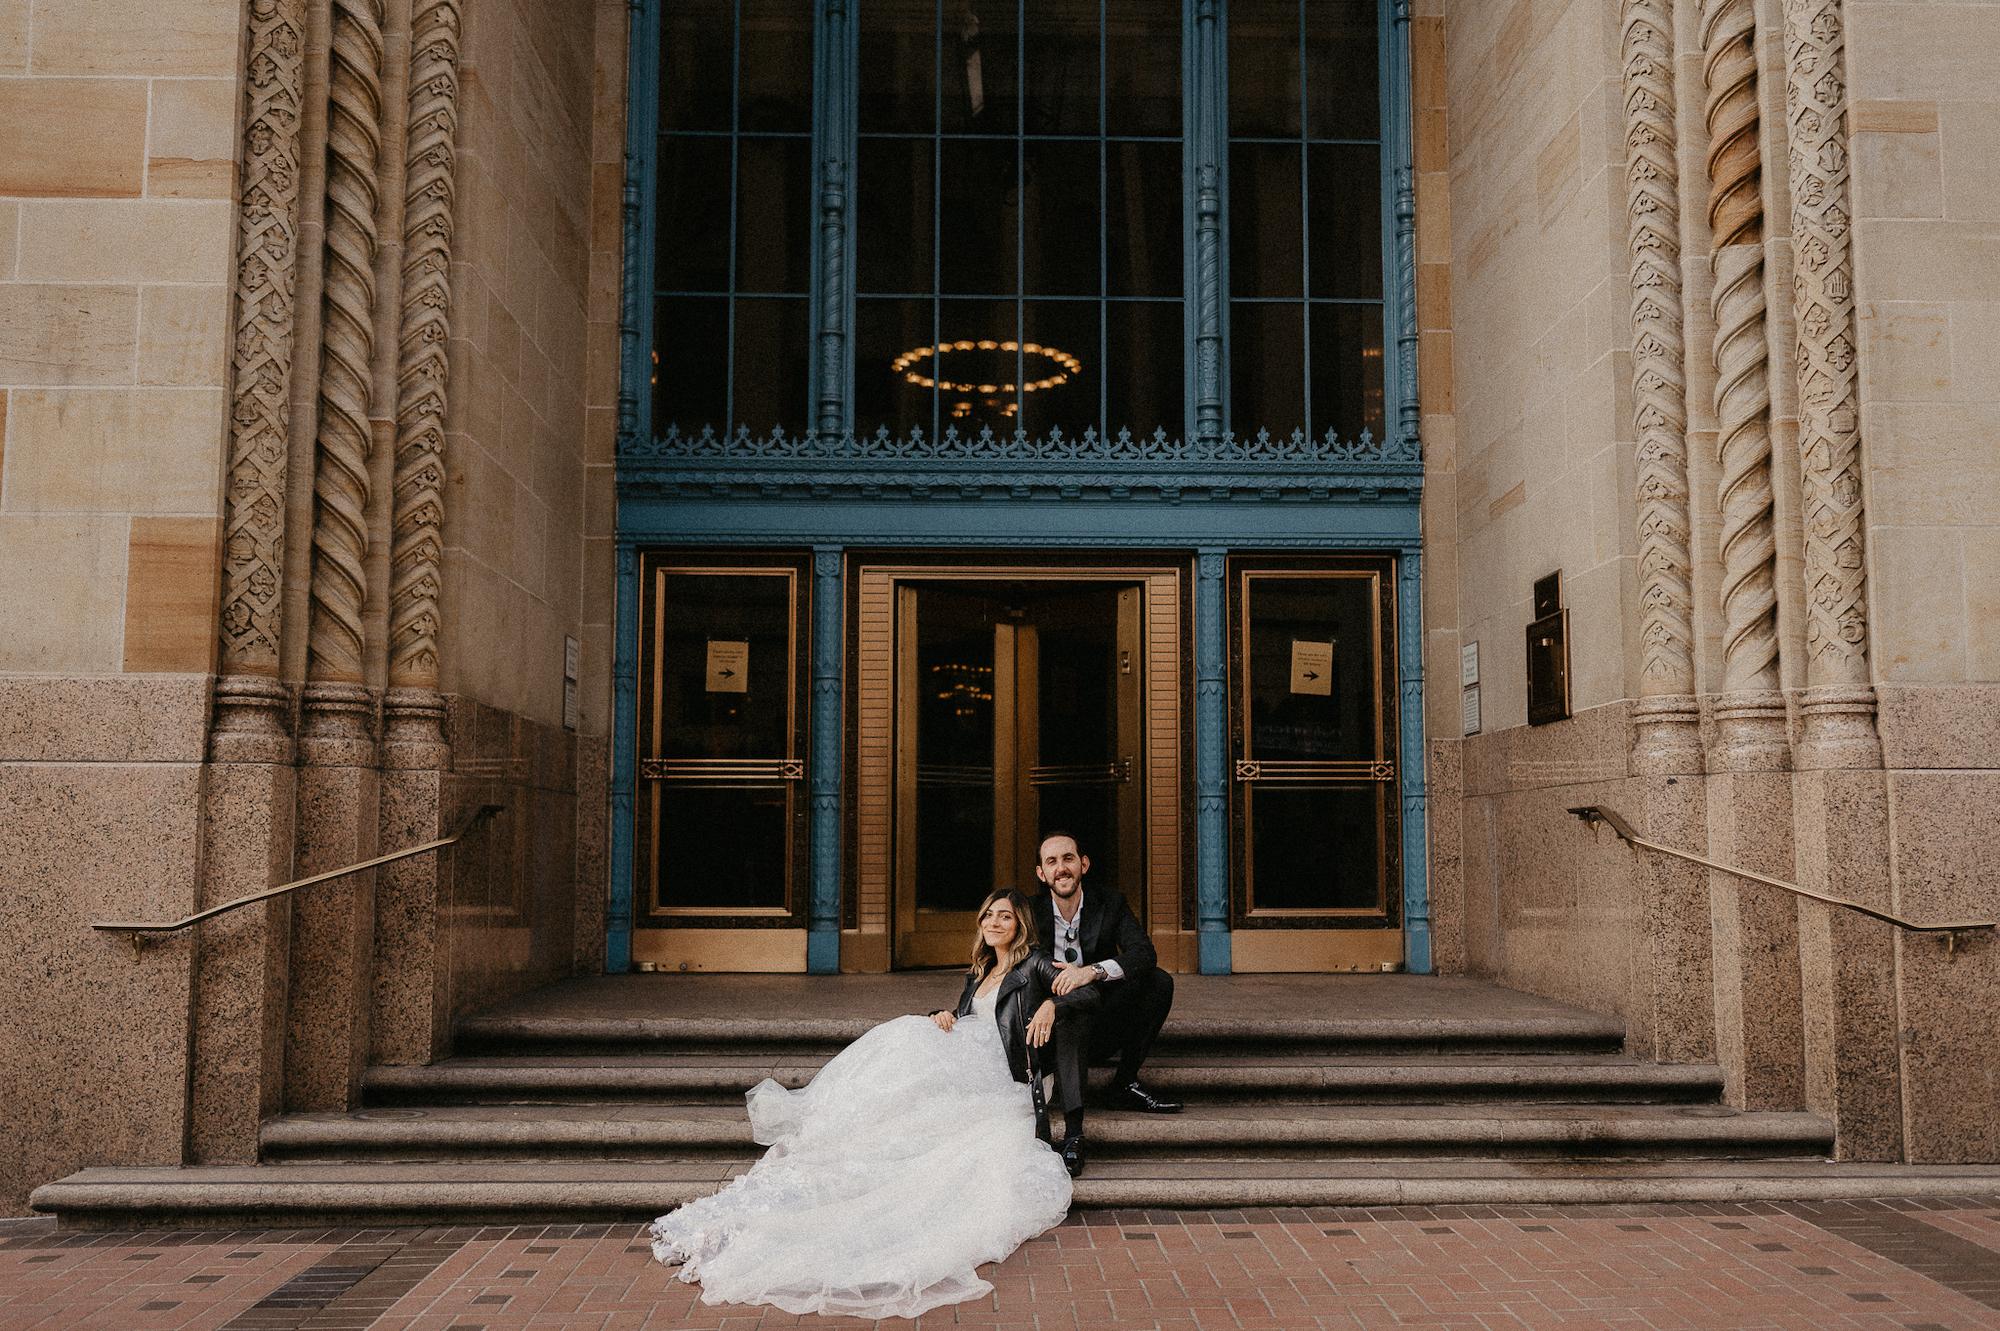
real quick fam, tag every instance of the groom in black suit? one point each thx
(1098, 948)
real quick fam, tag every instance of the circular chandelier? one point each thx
(1061, 362)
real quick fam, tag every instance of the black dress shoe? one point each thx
(1137, 1098)
(1072, 1153)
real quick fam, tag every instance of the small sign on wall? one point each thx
(572, 669)
(728, 666)
(1468, 683)
(1312, 668)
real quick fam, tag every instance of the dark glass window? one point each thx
(732, 259)
(1305, 218)
(1021, 240)
(1019, 230)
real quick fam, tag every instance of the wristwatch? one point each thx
(1099, 973)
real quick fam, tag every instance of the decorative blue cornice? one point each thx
(1146, 468)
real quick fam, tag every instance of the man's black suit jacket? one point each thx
(1108, 931)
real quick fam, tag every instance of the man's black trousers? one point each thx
(1117, 1024)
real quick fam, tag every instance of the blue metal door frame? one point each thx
(1209, 495)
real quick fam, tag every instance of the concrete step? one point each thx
(515, 1034)
(1236, 1132)
(695, 1078)
(319, 1195)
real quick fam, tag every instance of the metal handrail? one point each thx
(1597, 813)
(135, 928)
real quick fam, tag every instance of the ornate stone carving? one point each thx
(1841, 732)
(340, 481)
(1742, 389)
(1729, 69)
(417, 538)
(1659, 380)
(266, 271)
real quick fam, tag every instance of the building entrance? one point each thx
(1019, 709)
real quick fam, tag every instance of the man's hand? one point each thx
(945, 1021)
(1071, 977)
(1042, 1022)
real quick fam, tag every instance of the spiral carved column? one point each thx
(412, 712)
(1751, 727)
(340, 481)
(1666, 716)
(1754, 930)
(1673, 1013)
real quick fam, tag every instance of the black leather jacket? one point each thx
(1021, 994)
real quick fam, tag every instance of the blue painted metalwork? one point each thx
(624, 761)
(1399, 351)
(1206, 190)
(1211, 491)
(641, 213)
(832, 391)
(1410, 767)
(1211, 746)
(824, 768)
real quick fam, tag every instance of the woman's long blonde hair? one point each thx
(1025, 938)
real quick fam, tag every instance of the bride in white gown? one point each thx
(909, 1161)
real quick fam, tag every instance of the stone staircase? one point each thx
(571, 1114)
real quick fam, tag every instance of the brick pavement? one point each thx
(1827, 1266)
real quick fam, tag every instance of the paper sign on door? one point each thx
(1312, 667)
(728, 667)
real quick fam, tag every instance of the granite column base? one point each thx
(1758, 1037)
(1848, 962)
(242, 960)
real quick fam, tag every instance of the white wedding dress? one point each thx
(907, 1163)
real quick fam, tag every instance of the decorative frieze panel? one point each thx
(418, 535)
(1823, 303)
(1126, 466)
(1659, 380)
(266, 272)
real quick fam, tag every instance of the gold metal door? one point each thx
(1314, 732)
(721, 808)
(1019, 709)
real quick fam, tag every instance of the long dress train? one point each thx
(908, 1162)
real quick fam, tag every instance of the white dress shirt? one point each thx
(1067, 936)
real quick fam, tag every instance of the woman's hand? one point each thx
(945, 1021)
(1042, 1023)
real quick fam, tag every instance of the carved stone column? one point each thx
(1678, 1022)
(1853, 1071)
(340, 482)
(1749, 793)
(410, 966)
(240, 962)
(338, 794)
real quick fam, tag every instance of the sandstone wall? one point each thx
(1927, 265)
(1529, 471)
(1810, 592)
(117, 151)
